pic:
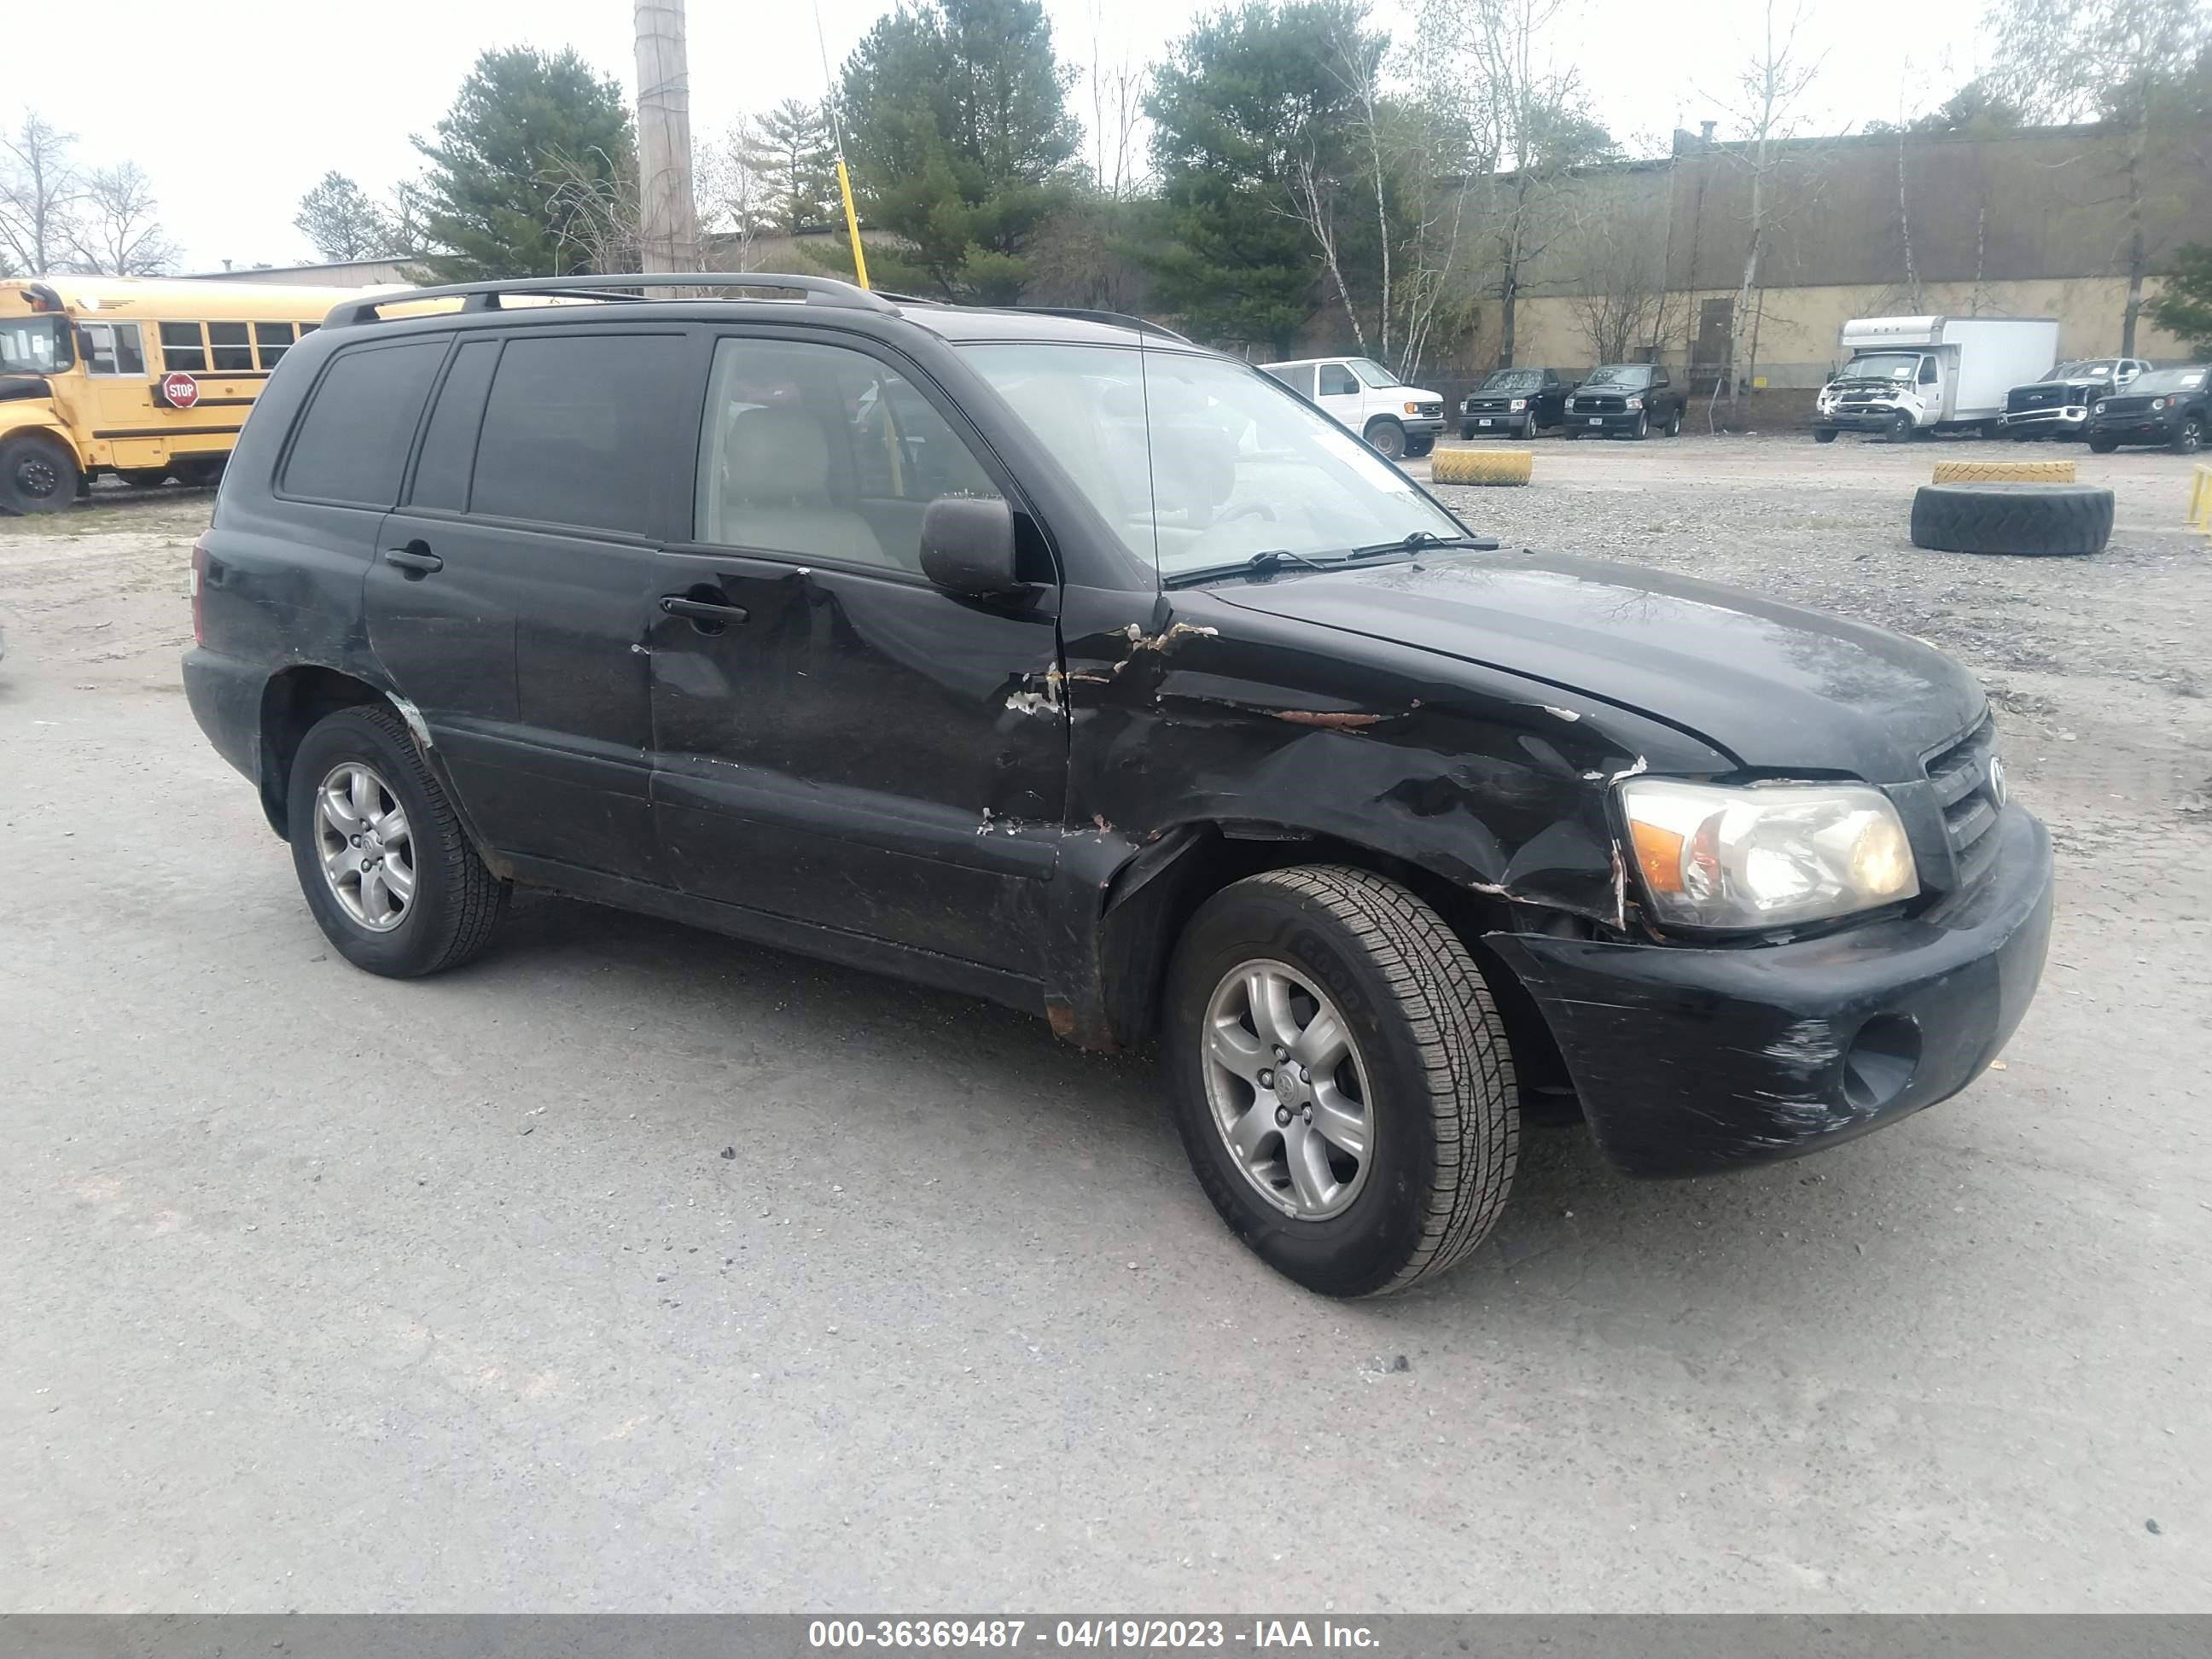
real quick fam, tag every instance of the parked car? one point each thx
(2058, 406)
(1513, 403)
(1635, 398)
(1395, 418)
(1067, 665)
(2166, 406)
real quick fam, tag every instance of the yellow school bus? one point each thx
(143, 377)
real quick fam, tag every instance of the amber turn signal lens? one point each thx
(1658, 856)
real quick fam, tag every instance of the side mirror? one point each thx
(967, 544)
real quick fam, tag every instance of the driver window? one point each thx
(1928, 370)
(1336, 380)
(824, 452)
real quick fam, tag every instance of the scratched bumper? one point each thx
(1692, 1060)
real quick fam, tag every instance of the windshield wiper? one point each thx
(1413, 541)
(1264, 563)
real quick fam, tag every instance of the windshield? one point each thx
(1624, 374)
(1196, 461)
(1882, 366)
(34, 345)
(2167, 380)
(1513, 379)
(1373, 373)
(2101, 369)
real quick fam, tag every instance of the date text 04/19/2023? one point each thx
(1087, 1633)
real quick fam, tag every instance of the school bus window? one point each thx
(182, 347)
(229, 349)
(306, 329)
(272, 340)
(112, 349)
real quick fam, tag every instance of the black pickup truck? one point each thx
(1513, 403)
(2058, 406)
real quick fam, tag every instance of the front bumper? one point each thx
(1689, 1061)
(2150, 431)
(1472, 421)
(2049, 422)
(1871, 420)
(1584, 420)
(1416, 425)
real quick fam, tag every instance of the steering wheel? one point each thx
(1249, 510)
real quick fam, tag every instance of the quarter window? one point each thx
(824, 452)
(271, 341)
(579, 429)
(182, 347)
(352, 442)
(1299, 377)
(113, 349)
(230, 351)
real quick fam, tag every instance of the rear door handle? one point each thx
(700, 611)
(414, 557)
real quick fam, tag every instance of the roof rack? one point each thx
(1118, 319)
(614, 285)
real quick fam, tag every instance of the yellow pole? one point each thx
(851, 222)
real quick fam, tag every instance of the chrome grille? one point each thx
(1970, 796)
(1433, 406)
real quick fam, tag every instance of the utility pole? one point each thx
(668, 217)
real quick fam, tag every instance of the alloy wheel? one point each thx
(367, 847)
(1287, 1090)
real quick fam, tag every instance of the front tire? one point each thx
(1388, 1157)
(1416, 447)
(1642, 430)
(393, 881)
(38, 474)
(144, 477)
(1387, 437)
(1901, 429)
(1824, 434)
(2191, 438)
(2100, 445)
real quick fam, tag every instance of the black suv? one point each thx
(1051, 658)
(2168, 406)
(1634, 398)
(1513, 403)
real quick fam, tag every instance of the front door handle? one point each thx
(415, 558)
(706, 617)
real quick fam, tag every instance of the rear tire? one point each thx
(452, 902)
(144, 477)
(38, 474)
(1824, 434)
(1416, 447)
(1425, 1082)
(200, 474)
(1675, 422)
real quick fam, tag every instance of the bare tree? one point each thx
(40, 191)
(740, 196)
(592, 213)
(2119, 60)
(116, 232)
(1620, 298)
(1501, 51)
(1764, 107)
(1117, 108)
(1313, 204)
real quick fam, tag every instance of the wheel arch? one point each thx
(293, 701)
(1151, 898)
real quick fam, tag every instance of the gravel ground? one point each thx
(636, 1268)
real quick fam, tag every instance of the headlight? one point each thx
(1765, 855)
(1518, 404)
(2098, 409)
(1413, 408)
(1635, 403)
(2157, 403)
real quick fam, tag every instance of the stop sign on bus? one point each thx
(180, 390)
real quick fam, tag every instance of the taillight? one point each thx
(199, 589)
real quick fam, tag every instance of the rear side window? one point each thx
(352, 442)
(449, 443)
(182, 349)
(1299, 377)
(579, 429)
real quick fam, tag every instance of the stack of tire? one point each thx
(2011, 507)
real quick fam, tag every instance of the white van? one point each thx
(1397, 419)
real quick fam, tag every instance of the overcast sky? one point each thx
(235, 107)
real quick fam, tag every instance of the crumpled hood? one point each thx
(1782, 688)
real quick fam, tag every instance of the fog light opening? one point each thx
(1880, 1062)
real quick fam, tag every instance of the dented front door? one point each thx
(836, 739)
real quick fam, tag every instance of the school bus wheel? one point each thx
(144, 477)
(37, 474)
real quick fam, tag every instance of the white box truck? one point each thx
(1908, 376)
